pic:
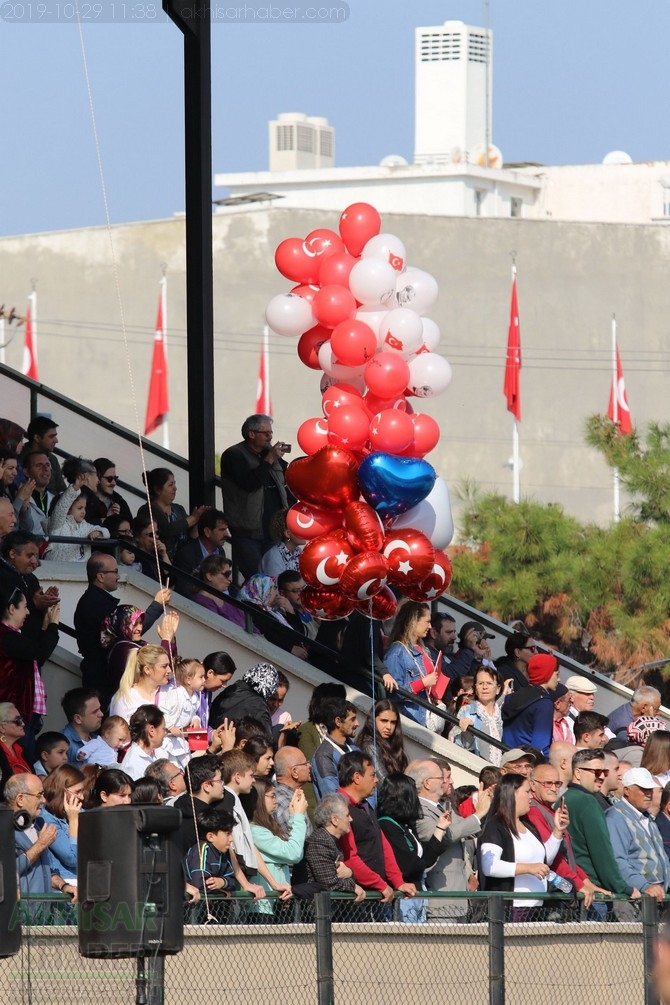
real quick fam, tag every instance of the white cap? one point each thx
(580, 684)
(640, 777)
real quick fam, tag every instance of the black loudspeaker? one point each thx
(10, 918)
(130, 881)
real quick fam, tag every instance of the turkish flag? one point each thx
(512, 385)
(158, 404)
(618, 410)
(29, 365)
(263, 400)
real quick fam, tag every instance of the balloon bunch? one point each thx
(359, 313)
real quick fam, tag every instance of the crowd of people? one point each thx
(567, 798)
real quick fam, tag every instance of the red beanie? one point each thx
(541, 667)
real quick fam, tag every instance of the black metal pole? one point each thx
(649, 934)
(195, 24)
(496, 950)
(324, 949)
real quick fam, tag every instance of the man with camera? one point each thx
(254, 489)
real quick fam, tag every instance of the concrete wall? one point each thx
(571, 278)
(372, 964)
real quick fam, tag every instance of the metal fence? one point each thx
(464, 949)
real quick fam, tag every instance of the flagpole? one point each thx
(166, 431)
(516, 473)
(615, 417)
(267, 404)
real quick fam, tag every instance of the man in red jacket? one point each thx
(365, 849)
(545, 785)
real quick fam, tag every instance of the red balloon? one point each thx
(363, 527)
(353, 343)
(312, 435)
(329, 605)
(309, 344)
(386, 374)
(340, 396)
(308, 522)
(380, 607)
(348, 427)
(333, 304)
(364, 575)
(292, 262)
(322, 243)
(336, 269)
(358, 224)
(327, 479)
(410, 556)
(324, 559)
(426, 434)
(306, 292)
(436, 583)
(391, 431)
(375, 404)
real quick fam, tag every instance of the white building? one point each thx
(452, 118)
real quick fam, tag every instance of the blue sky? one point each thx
(571, 81)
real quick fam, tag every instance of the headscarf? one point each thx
(257, 590)
(263, 678)
(118, 625)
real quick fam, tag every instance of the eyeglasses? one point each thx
(18, 720)
(547, 785)
(262, 432)
(531, 649)
(171, 778)
(34, 795)
(301, 764)
(434, 778)
(227, 574)
(597, 772)
(109, 478)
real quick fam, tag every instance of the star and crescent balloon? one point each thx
(374, 512)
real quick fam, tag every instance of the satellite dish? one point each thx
(393, 161)
(617, 157)
(477, 155)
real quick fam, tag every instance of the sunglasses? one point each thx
(531, 649)
(109, 478)
(597, 772)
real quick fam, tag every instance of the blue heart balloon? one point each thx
(392, 485)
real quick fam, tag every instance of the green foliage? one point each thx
(644, 470)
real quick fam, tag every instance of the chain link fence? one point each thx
(463, 948)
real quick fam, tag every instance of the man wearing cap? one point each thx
(563, 731)
(517, 762)
(588, 828)
(582, 694)
(473, 646)
(645, 700)
(636, 840)
(441, 637)
(519, 648)
(528, 714)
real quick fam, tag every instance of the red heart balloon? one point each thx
(329, 605)
(308, 522)
(363, 528)
(364, 575)
(410, 556)
(436, 582)
(380, 607)
(326, 479)
(324, 559)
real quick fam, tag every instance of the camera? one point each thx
(286, 447)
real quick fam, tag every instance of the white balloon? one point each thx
(337, 370)
(373, 282)
(289, 314)
(417, 290)
(401, 331)
(431, 334)
(432, 516)
(372, 317)
(429, 375)
(328, 381)
(386, 248)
